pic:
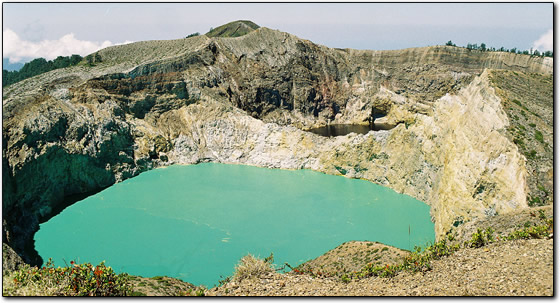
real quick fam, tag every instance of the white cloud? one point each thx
(16, 49)
(545, 42)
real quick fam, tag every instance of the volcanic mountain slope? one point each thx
(233, 29)
(248, 100)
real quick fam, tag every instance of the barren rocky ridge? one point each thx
(249, 99)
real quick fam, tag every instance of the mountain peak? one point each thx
(233, 29)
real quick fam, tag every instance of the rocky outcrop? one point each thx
(10, 259)
(247, 100)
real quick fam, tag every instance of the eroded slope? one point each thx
(528, 100)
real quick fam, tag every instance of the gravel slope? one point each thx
(512, 268)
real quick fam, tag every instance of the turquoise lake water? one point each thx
(196, 222)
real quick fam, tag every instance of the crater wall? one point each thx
(246, 100)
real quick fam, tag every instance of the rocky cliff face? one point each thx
(246, 100)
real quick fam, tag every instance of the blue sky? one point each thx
(51, 29)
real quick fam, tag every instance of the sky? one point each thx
(48, 30)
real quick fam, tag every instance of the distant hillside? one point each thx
(11, 66)
(233, 29)
(36, 67)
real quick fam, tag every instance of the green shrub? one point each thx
(531, 155)
(193, 35)
(542, 188)
(535, 201)
(481, 238)
(441, 249)
(533, 232)
(539, 136)
(521, 105)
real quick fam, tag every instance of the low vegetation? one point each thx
(417, 261)
(484, 48)
(74, 280)
(420, 260)
(193, 35)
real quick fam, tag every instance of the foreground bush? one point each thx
(74, 280)
(249, 266)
